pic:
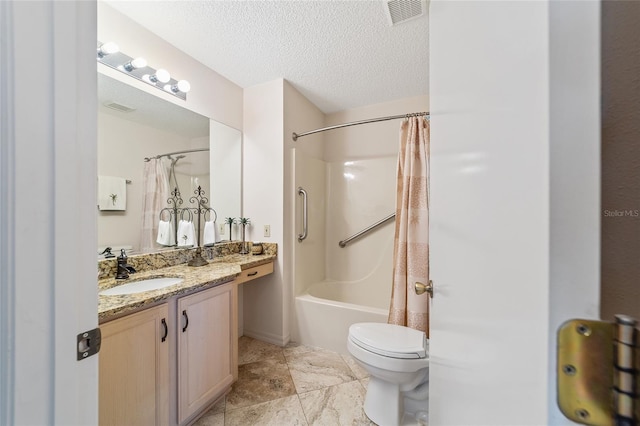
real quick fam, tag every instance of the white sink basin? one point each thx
(141, 286)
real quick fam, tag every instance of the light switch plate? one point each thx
(221, 228)
(267, 230)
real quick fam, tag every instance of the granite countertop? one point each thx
(219, 270)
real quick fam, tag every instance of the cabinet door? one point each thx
(208, 345)
(134, 369)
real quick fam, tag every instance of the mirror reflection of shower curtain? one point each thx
(411, 245)
(155, 191)
(173, 179)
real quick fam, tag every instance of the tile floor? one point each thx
(295, 385)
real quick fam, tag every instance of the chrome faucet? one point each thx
(124, 269)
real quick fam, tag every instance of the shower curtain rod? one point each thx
(295, 135)
(176, 153)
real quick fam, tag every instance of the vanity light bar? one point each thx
(110, 55)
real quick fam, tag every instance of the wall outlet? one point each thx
(221, 228)
(267, 230)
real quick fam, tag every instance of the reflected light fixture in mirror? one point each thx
(109, 54)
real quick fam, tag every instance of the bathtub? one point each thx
(325, 312)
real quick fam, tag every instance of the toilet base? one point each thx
(383, 403)
(416, 404)
(386, 405)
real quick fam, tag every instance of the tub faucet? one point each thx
(124, 269)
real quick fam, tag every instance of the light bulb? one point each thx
(161, 76)
(107, 49)
(182, 86)
(135, 64)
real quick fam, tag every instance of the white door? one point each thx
(48, 291)
(515, 134)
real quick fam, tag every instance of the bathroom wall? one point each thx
(122, 147)
(211, 94)
(272, 112)
(620, 291)
(262, 200)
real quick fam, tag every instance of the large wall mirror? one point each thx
(134, 125)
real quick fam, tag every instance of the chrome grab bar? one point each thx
(305, 214)
(365, 230)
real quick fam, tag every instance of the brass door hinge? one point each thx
(597, 371)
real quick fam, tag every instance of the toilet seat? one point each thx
(389, 340)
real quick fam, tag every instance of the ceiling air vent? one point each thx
(119, 107)
(400, 11)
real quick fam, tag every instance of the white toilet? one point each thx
(397, 359)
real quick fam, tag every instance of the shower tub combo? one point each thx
(335, 285)
(341, 281)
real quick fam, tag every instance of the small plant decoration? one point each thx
(244, 221)
(230, 221)
(114, 198)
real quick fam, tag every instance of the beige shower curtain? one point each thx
(155, 192)
(411, 244)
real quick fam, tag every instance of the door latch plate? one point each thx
(88, 343)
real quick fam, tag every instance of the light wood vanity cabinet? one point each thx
(207, 347)
(166, 364)
(134, 369)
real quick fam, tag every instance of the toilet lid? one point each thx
(389, 340)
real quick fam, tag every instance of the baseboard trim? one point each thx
(274, 339)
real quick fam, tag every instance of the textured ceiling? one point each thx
(339, 54)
